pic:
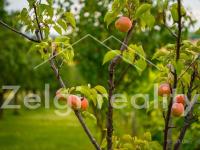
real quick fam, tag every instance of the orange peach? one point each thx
(180, 99)
(84, 104)
(177, 109)
(164, 89)
(123, 24)
(74, 101)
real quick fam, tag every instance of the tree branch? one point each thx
(189, 115)
(38, 23)
(166, 26)
(168, 116)
(178, 44)
(56, 71)
(92, 139)
(188, 121)
(111, 86)
(18, 32)
(170, 31)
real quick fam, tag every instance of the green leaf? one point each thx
(110, 55)
(160, 53)
(44, 45)
(186, 78)
(70, 18)
(85, 90)
(89, 116)
(68, 55)
(147, 136)
(31, 2)
(179, 66)
(99, 101)
(129, 56)
(58, 29)
(138, 50)
(24, 14)
(198, 43)
(34, 47)
(142, 9)
(101, 89)
(46, 32)
(118, 4)
(104, 143)
(147, 19)
(62, 23)
(110, 17)
(50, 11)
(140, 65)
(93, 96)
(62, 39)
(174, 11)
(50, 2)
(117, 7)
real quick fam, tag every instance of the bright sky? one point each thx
(191, 5)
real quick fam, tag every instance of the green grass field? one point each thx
(42, 130)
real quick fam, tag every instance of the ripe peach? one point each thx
(180, 99)
(164, 89)
(74, 101)
(84, 104)
(60, 95)
(123, 24)
(177, 109)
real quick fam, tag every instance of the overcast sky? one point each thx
(192, 5)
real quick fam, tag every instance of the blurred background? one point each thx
(22, 129)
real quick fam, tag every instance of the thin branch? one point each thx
(166, 26)
(62, 84)
(189, 115)
(56, 71)
(168, 116)
(92, 139)
(188, 121)
(37, 20)
(188, 67)
(111, 85)
(178, 44)
(189, 93)
(18, 32)
(171, 32)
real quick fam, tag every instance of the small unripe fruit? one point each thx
(164, 89)
(177, 109)
(123, 24)
(84, 104)
(180, 99)
(74, 101)
(60, 95)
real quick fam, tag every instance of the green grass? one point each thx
(42, 130)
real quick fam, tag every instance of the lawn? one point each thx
(42, 130)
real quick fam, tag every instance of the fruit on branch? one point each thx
(84, 104)
(74, 101)
(177, 109)
(164, 89)
(123, 24)
(60, 95)
(180, 99)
